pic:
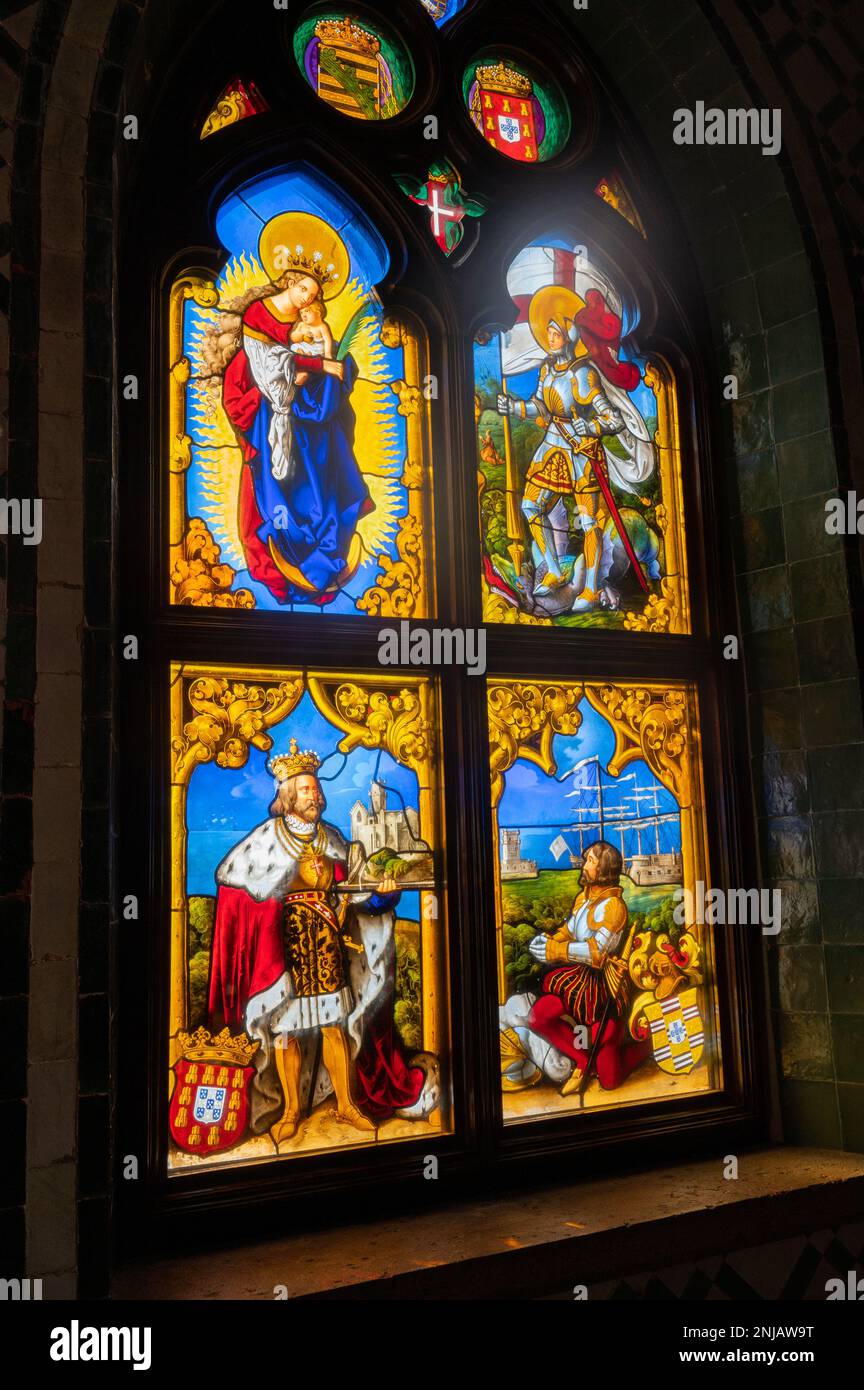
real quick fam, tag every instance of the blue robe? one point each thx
(312, 515)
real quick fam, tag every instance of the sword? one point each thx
(592, 1056)
(613, 509)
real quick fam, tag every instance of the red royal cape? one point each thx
(248, 957)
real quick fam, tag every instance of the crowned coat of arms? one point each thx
(209, 1107)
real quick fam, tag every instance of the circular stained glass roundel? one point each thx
(519, 113)
(354, 64)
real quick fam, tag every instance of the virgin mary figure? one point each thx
(301, 489)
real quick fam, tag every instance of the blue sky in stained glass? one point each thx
(543, 807)
(224, 804)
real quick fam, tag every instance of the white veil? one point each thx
(273, 368)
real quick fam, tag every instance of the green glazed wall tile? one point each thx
(819, 587)
(657, 119)
(748, 361)
(758, 540)
(801, 975)
(799, 912)
(805, 529)
(735, 309)
(706, 80)
(838, 839)
(765, 599)
(795, 348)
(730, 159)
(757, 481)
(847, 1033)
(770, 233)
(837, 777)
(785, 291)
(756, 186)
(806, 466)
(615, 17)
(844, 966)
(706, 214)
(781, 782)
(721, 258)
(841, 902)
(789, 852)
(771, 659)
(826, 649)
(658, 20)
(810, 1113)
(687, 45)
(805, 1046)
(626, 50)
(751, 423)
(831, 713)
(775, 720)
(852, 1117)
(800, 407)
(595, 24)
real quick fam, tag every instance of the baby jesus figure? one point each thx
(311, 336)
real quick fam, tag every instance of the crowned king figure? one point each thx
(280, 965)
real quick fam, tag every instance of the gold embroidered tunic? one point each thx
(295, 863)
(313, 948)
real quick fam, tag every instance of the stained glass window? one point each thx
(579, 457)
(308, 950)
(337, 881)
(600, 844)
(362, 70)
(442, 11)
(238, 101)
(448, 203)
(519, 114)
(612, 190)
(298, 427)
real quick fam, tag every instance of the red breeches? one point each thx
(617, 1056)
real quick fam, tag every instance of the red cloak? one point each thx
(248, 957)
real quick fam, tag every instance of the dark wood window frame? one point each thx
(166, 228)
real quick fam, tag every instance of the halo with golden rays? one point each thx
(303, 242)
(378, 434)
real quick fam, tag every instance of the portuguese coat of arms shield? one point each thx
(209, 1107)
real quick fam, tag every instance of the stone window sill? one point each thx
(533, 1243)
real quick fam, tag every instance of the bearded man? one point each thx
(279, 966)
(588, 981)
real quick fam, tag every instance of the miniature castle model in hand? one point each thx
(377, 827)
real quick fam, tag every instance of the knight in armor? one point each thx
(578, 402)
(586, 982)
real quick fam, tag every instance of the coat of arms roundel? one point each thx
(210, 1099)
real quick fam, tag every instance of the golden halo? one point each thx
(552, 302)
(305, 243)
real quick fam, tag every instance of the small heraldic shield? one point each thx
(509, 129)
(677, 1032)
(210, 1097)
